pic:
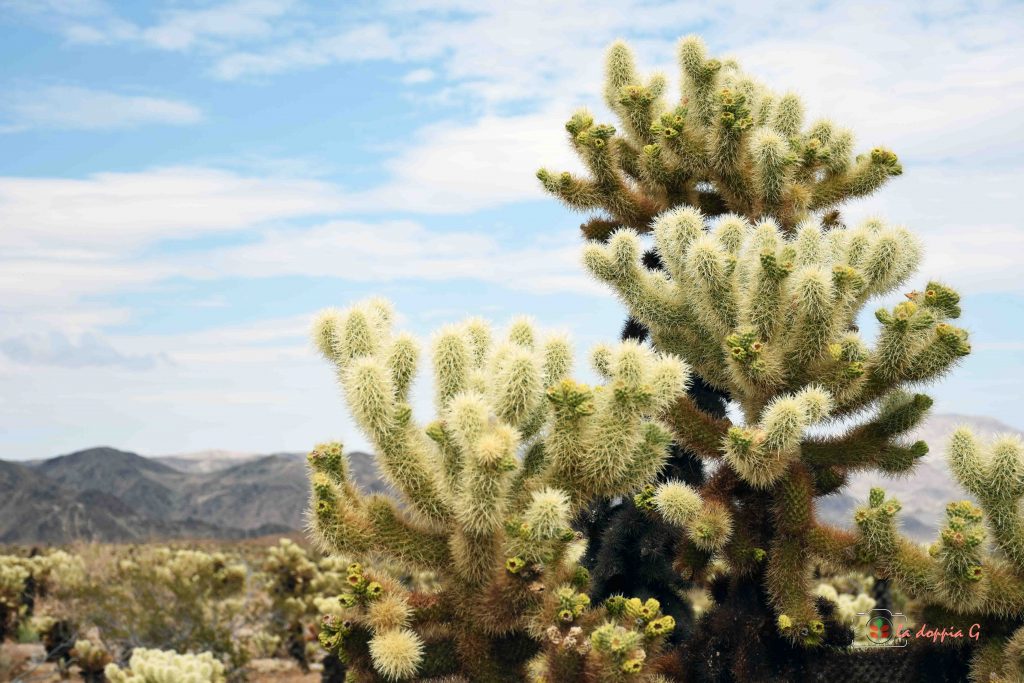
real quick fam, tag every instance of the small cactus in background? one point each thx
(291, 580)
(164, 666)
(13, 577)
(489, 487)
(92, 660)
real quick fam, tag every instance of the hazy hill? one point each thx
(148, 487)
(206, 461)
(105, 494)
(36, 509)
(925, 492)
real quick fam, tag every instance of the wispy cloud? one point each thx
(240, 20)
(390, 251)
(76, 108)
(363, 43)
(940, 83)
(89, 350)
(125, 210)
(213, 27)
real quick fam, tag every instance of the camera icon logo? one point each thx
(885, 628)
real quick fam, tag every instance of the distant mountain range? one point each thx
(104, 494)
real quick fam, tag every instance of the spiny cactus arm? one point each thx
(953, 572)
(837, 548)
(343, 521)
(397, 653)
(374, 377)
(481, 504)
(618, 436)
(762, 454)
(403, 540)
(897, 558)
(696, 430)
(649, 293)
(603, 441)
(868, 173)
(657, 302)
(996, 477)
(874, 444)
(916, 344)
(788, 582)
(707, 523)
(1000, 661)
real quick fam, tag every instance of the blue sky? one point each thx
(184, 184)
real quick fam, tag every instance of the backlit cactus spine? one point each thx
(489, 488)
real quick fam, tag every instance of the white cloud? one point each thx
(363, 43)
(419, 76)
(463, 168)
(231, 21)
(966, 219)
(119, 211)
(211, 28)
(403, 250)
(89, 350)
(72, 107)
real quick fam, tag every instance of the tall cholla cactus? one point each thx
(770, 319)
(729, 145)
(758, 285)
(488, 491)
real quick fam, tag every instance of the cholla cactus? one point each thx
(291, 578)
(621, 643)
(755, 281)
(23, 579)
(770, 319)
(165, 666)
(185, 600)
(92, 660)
(728, 145)
(13, 577)
(489, 487)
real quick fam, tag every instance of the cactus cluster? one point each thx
(25, 579)
(962, 579)
(292, 582)
(755, 285)
(169, 598)
(165, 666)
